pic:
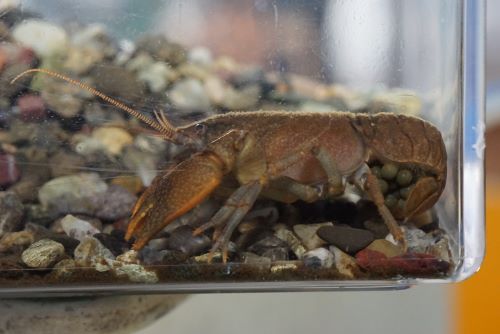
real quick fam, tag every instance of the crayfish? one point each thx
(285, 156)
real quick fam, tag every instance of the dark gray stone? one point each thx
(182, 239)
(348, 239)
(11, 212)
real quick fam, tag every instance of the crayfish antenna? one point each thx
(162, 124)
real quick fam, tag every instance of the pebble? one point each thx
(38, 231)
(163, 50)
(244, 99)
(379, 229)
(116, 203)
(94, 37)
(41, 232)
(135, 272)
(345, 264)
(282, 267)
(415, 264)
(129, 257)
(251, 258)
(112, 139)
(130, 182)
(385, 247)
(267, 243)
(145, 164)
(69, 243)
(139, 62)
(441, 250)
(63, 99)
(45, 38)
(97, 114)
(16, 240)
(276, 254)
(24, 187)
(80, 60)
(215, 89)
(151, 144)
(307, 234)
(348, 239)
(43, 254)
(200, 56)
(209, 257)
(9, 171)
(396, 100)
(65, 163)
(157, 76)
(149, 257)
(318, 258)
(417, 240)
(189, 94)
(182, 239)
(77, 228)
(118, 82)
(6, 76)
(248, 76)
(293, 242)
(31, 108)
(116, 245)
(90, 252)
(39, 214)
(194, 71)
(73, 194)
(64, 268)
(11, 212)
(158, 244)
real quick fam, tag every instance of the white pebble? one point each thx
(77, 228)
(44, 38)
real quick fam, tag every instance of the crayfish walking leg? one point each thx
(230, 215)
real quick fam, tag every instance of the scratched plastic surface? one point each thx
(355, 161)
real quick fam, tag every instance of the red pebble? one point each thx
(9, 173)
(26, 56)
(371, 260)
(31, 108)
(414, 264)
(3, 60)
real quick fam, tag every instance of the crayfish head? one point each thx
(193, 135)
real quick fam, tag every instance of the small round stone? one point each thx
(43, 254)
(391, 201)
(376, 170)
(389, 171)
(401, 204)
(404, 177)
(384, 186)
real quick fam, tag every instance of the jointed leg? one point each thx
(282, 188)
(231, 214)
(364, 179)
(336, 186)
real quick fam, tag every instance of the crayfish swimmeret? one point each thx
(286, 156)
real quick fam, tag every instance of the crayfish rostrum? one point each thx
(287, 156)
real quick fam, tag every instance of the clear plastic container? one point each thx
(365, 117)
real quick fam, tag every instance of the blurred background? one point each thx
(471, 306)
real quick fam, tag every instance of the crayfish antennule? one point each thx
(162, 125)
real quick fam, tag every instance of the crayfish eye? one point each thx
(201, 129)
